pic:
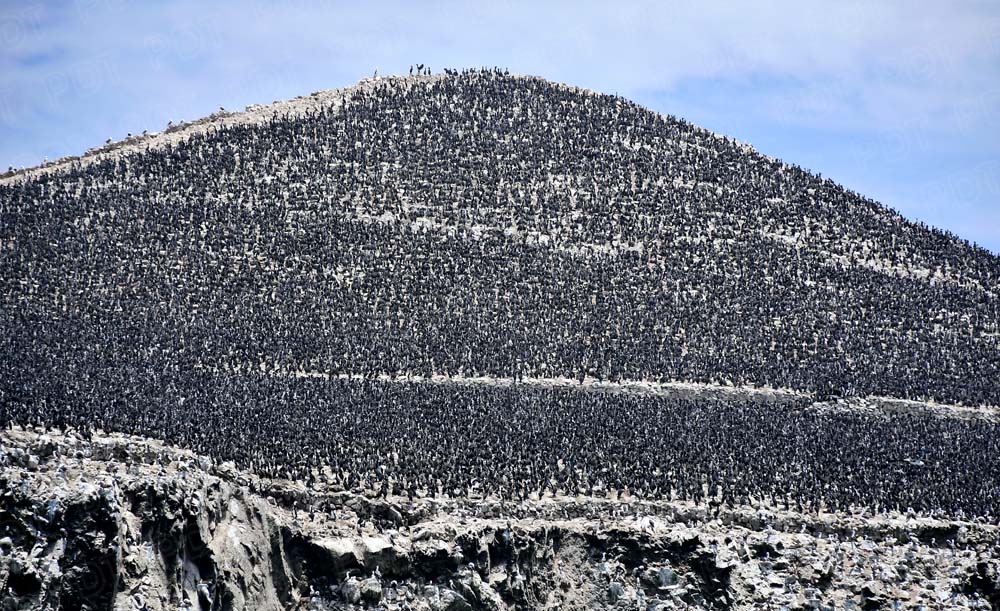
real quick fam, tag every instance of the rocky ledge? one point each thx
(115, 522)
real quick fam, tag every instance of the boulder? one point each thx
(341, 552)
(666, 577)
(371, 590)
(351, 590)
(615, 591)
(453, 601)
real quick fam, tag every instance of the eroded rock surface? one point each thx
(121, 523)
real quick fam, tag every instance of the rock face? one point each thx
(124, 523)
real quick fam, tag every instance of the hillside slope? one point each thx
(488, 224)
(310, 288)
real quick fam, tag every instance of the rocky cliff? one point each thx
(115, 522)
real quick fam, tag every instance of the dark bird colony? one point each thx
(484, 284)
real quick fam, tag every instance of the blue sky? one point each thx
(897, 100)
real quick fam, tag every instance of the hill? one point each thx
(402, 287)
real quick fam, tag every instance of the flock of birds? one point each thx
(478, 224)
